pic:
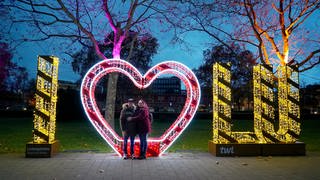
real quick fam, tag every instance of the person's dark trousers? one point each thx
(143, 144)
(125, 143)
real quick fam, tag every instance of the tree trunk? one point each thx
(111, 98)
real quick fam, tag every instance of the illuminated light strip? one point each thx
(264, 130)
(222, 132)
(221, 90)
(46, 92)
(262, 82)
(116, 65)
(180, 117)
(102, 73)
(149, 83)
(188, 121)
(97, 112)
(288, 94)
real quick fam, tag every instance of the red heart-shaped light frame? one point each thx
(156, 146)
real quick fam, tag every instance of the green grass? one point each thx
(310, 134)
(14, 134)
(195, 137)
(81, 136)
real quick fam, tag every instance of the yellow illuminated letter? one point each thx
(264, 106)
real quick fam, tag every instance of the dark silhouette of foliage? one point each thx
(5, 61)
(138, 50)
(242, 62)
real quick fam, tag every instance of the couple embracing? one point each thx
(135, 120)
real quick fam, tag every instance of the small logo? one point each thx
(226, 150)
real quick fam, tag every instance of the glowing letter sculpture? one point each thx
(289, 108)
(222, 108)
(44, 143)
(265, 140)
(156, 146)
(263, 98)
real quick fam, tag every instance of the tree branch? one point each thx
(40, 5)
(311, 66)
(139, 19)
(132, 9)
(85, 31)
(108, 15)
(256, 29)
(38, 12)
(285, 35)
(311, 55)
(303, 14)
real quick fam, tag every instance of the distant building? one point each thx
(163, 95)
(170, 85)
(310, 99)
(166, 95)
(65, 85)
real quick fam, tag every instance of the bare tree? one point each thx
(78, 21)
(282, 32)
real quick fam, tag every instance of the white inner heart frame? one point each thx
(156, 145)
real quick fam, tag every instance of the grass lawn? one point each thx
(78, 136)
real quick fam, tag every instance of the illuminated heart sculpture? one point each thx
(156, 146)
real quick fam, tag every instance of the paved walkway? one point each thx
(170, 166)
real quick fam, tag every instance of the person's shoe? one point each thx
(141, 157)
(125, 157)
(133, 157)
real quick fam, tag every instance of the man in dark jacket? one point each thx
(128, 128)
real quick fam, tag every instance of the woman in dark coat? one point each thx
(128, 128)
(142, 118)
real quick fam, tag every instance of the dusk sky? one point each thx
(192, 57)
(167, 51)
(197, 42)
